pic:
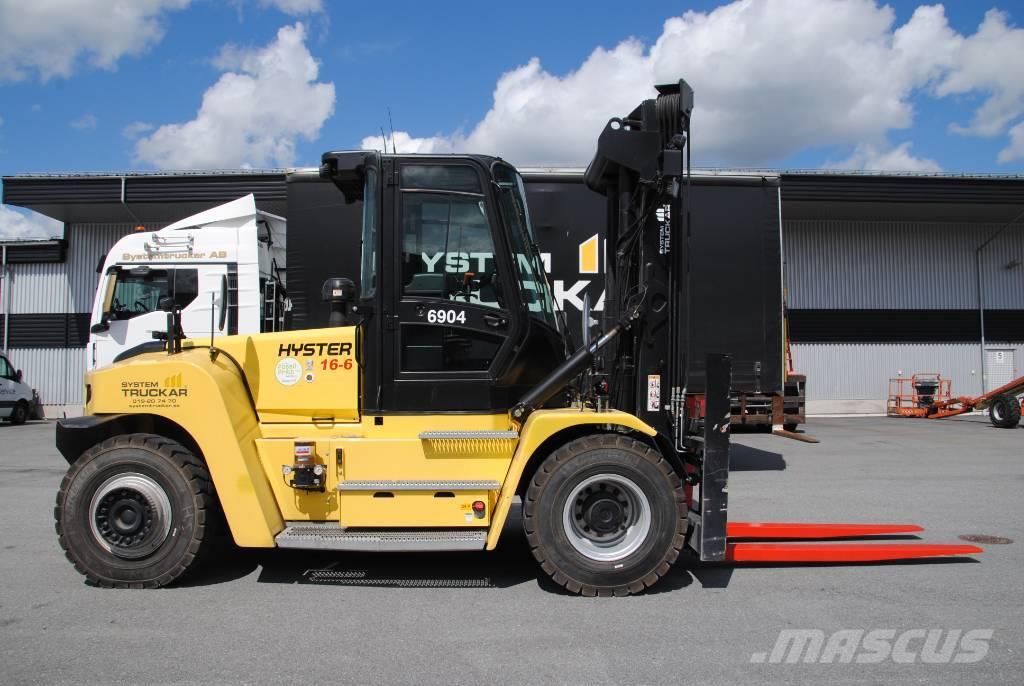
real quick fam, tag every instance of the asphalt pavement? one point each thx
(483, 618)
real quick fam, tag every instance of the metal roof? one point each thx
(160, 196)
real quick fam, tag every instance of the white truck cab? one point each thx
(18, 400)
(223, 267)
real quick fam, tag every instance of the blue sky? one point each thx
(780, 83)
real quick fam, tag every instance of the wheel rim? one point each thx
(997, 411)
(130, 515)
(606, 517)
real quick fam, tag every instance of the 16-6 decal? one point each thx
(446, 316)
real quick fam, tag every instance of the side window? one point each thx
(139, 291)
(6, 371)
(448, 250)
(371, 212)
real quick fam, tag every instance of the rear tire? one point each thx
(1004, 412)
(20, 413)
(135, 511)
(605, 515)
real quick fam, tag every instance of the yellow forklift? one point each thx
(443, 391)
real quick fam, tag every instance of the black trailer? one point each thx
(736, 299)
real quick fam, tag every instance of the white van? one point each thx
(18, 400)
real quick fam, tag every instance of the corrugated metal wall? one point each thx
(847, 371)
(55, 372)
(62, 289)
(69, 287)
(900, 265)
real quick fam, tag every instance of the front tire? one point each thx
(20, 412)
(135, 512)
(1004, 412)
(605, 515)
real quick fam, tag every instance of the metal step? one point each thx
(470, 435)
(460, 485)
(332, 537)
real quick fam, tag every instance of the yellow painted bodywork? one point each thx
(209, 401)
(246, 442)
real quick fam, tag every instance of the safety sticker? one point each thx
(288, 371)
(653, 392)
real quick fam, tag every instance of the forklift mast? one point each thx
(642, 167)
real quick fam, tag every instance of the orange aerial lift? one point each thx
(930, 396)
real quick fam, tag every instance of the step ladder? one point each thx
(270, 314)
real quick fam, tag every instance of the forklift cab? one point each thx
(455, 312)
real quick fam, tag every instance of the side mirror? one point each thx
(165, 304)
(339, 293)
(18, 376)
(100, 327)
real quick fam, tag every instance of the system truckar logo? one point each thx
(165, 393)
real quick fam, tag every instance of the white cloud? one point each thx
(772, 78)
(989, 62)
(253, 114)
(19, 223)
(1015, 150)
(136, 129)
(295, 8)
(406, 144)
(51, 37)
(870, 157)
(87, 122)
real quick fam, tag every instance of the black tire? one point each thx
(1004, 412)
(790, 426)
(549, 524)
(20, 413)
(171, 532)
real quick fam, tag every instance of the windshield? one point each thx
(533, 282)
(139, 291)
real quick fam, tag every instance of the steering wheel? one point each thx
(140, 307)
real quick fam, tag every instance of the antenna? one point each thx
(384, 138)
(392, 125)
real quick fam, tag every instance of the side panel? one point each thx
(541, 426)
(389, 475)
(306, 376)
(209, 400)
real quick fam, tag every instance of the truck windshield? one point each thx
(138, 291)
(533, 282)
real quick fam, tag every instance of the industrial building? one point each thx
(885, 274)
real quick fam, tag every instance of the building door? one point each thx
(1001, 369)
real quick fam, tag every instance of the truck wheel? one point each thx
(790, 426)
(605, 515)
(20, 413)
(1004, 412)
(135, 512)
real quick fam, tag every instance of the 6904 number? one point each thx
(446, 316)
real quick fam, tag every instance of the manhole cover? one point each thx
(988, 540)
